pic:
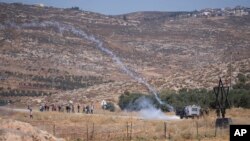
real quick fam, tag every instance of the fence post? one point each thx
(205, 119)
(87, 132)
(127, 130)
(165, 130)
(74, 131)
(93, 129)
(54, 129)
(197, 131)
(215, 133)
(43, 125)
(131, 132)
(109, 135)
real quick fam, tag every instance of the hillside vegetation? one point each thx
(171, 50)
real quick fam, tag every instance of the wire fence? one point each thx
(92, 131)
(197, 130)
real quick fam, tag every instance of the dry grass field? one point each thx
(128, 126)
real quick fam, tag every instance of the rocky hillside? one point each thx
(171, 50)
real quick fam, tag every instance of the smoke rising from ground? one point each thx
(99, 44)
(147, 110)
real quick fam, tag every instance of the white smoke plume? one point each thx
(148, 110)
(99, 44)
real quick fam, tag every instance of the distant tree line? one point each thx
(3, 102)
(69, 82)
(66, 82)
(75, 8)
(17, 92)
(239, 96)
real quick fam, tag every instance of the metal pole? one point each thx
(127, 130)
(54, 129)
(87, 132)
(231, 70)
(165, 130)
(93, 129)
(131, 132)
(197, 131)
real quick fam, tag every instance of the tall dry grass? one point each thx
(117, 126)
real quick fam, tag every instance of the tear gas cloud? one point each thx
(147, 110)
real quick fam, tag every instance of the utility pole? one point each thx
(197, 63)
(230, 71)
(231, 50)
(196, 59)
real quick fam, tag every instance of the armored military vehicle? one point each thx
(189, 111)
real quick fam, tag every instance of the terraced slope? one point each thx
(170, 50)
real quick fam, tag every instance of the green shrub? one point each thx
(239, 96)
(242, 78)
(128, 98)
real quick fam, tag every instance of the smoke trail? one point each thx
(99, 44)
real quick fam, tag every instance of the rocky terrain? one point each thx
(171, 50)
(11, 130)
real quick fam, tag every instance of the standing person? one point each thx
(78, 108)
(52, 107)
(92, 108)
(59, 108)
(67, 108)
(103, 104)
(83, 108)
(218, 112)
(45, 107)
(73, 108)
(31, 114)
(87, 109)
(28, 107)
(41, 108)
(223, 112)
(207, 111)
(55, 107)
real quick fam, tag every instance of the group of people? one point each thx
(67, 107)
(89, 109)
(70, 108)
